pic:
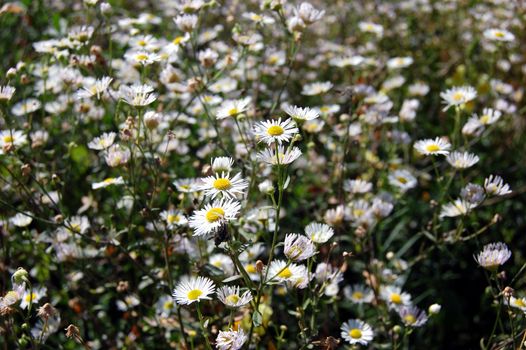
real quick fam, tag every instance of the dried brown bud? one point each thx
(46, 311)
(59, 219)
(24, 79)
(73, 332)
(259, 266)
(26, 169)
(508, 292)
(8, 147)
(95, 50)
(122, 286)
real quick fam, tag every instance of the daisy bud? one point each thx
(397, 329)
(11, 73)
(105, 8)
(20, 276)
(389, 255)
(266, 187)
(434, 309)
(259, 266)
(73, 332)
(95, 50)
(59, 219)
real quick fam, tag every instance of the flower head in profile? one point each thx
(456, 208)
(357, 332)
(494, 185)
(213, 215)
(280, 156)
(412, 316)
(94, 87)
(438, 146)
(298, 247)
(231, 340)
(458, 96)
(232, 108)
(300, 114)
(193, 289)
(499, 35)
(316, 88)
(137, 95)
(319, 233)
(493, 255)
(231, 297)
(271, 131)
(462, 160)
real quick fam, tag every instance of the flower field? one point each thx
(262, 174)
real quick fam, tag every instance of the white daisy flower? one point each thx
(462, 160)
(142, 57)
(359, 293)
(173, 218)
(458, 96)
(357, 186)
(222, 262)
(316, 88)
(32, 297)
(319, 233)
(6, 93)
(231, 340)
(103, 141)
(498, 35)
(519, 303)
(271, 131)
(281, 157)
(186, 23)
(232, 108)
(206, 220)
(308, 13)
(456, 208)
(117, 155)
(433, 147)
(495, 186)
(94, 87)
(193, 289)
(402, 179)
(281, 272)
(27, 106)
(230, 296)
(357, 332)
(394, 297)
(222, 164)
(399, 62)
(370, 27)
(298, 247)
(10, 138)
(223, 184)
(493, 255)
(301, 114)
(21, 220)
(137, 95)
(412, 316)
(186, 185)
(108, 182)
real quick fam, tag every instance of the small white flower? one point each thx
(359, 294)
(357, 332)
(186, 23)
(316, 88)
(108, 182)
(494, 185)
(103, 141)
(319, 233)
(137, 95)
(402, 179)
(458, 96)
(230, 296)
(301, 114)
(193, 289)
(279, 157)
(206, 220)
(298, 247)
(270, 131)
(21, 220)
(493, 255)
(232, 108)
(435, 309)
(462, 160)
(223, 184)
(433, 147)
(394, 297)
(399, 62)
(357, 186)
(231, 340)
(412, 316)
(222, 164)
(94, 87)
(456, 208)
(499, 35)
(173, 218)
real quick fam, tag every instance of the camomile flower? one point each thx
(462, 160)
(130, 301)
(108, 182)
(519, 303)
(230, 296)
(222, 164)
(498, 35)
(32, 296)
(26, 106)
(319, 233)
(231, 340)
(165, 306)
(103, 141)
(21, 219)
(232, 108)
(142, 57)
(173, 218)
(369, 27)
(493, 255)
(394, 297)
(206, 220)
(271, 131)
(456, 208)
(399, 62)
(6, 93)
(494, 185)
(186, 23)
(137, 95)
(223, 184)
(458, 96)
(9, 138)
(402, 179)
(316, 88)
(257, 18)
(279, 157)
(298, 247)
(280, 271)
(357, 332)
(186, 185)
(300, 114)
(117, 155)
(432, 147)
(357, 186)
(94, 87)
(359, 293)
(308, 13)
(223, 262)
(412, 316)
(193, 289)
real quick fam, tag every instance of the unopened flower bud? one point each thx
(20, 276)
(434, 309)
(11, 73)
(259, 266)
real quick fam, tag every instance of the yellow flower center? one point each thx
(355, 333)
(275, 130)
(141, 57)
(168, 305)
(358, 212)
(520, 303)
(141, 43)
(194, 294)
(396, 298)
(484, 119)
(171, 218)
(285, 273)
(8, 139)
(499, 34)
(409, 319)
(31, 297)
(75, 227)
(357, 295)
(250, 268)
(215, 214)
(233, 111)
(256, 17)
(432, 148)
(178, 40)
(232, 299)
(222, 184)
(402, 180)
(109, 180)
(458, 96)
